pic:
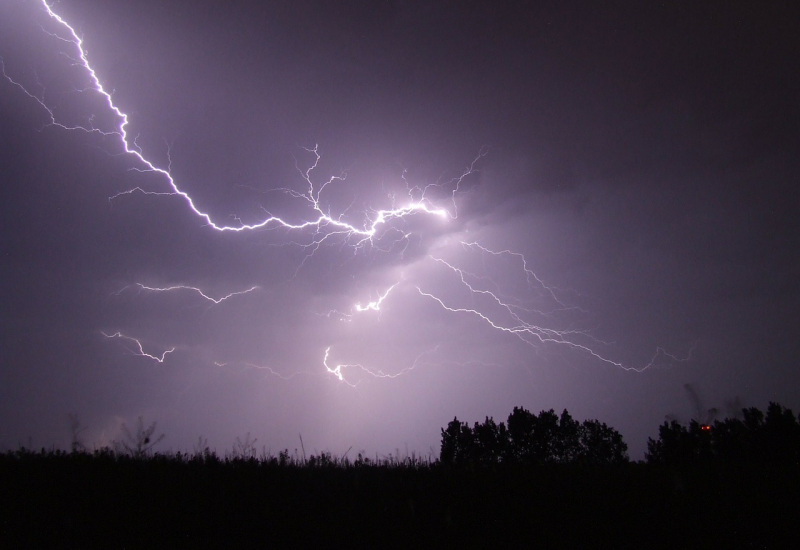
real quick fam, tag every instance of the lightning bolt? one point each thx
(532, 334)
(139, 349)
(323, 223)
(193, 289)
(320, 226)
(375, 305)
(338, 372)
(532, 278)
(269, 370)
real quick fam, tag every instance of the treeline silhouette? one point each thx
(547, 438)
(538, 480)
(528, 438)
(758, 439)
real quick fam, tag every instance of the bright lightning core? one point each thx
(382, 228)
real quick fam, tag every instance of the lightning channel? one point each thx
(138, 349)
(375, 305)
(338, 370)
(532, 334)
(193, 289)
(321, 226)
(322, 222)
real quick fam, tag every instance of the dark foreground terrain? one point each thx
(80, 500)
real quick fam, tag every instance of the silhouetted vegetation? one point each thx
(536, 480)
(756, 439)
(140, 442)
(533, 439)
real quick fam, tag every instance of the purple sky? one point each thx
(641, 157)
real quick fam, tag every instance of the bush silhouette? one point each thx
(139, 443)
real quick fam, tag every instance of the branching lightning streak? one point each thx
(530, 333)
(337, 370)
(339, 374)
(323, 222)
(376, 304)
(320, 225)
(139, 348)
(270, 370)
(529, 274)
(195, 290)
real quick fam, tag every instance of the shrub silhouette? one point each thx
(527, 438)
(138, 444)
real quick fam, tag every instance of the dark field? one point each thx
(79, 500)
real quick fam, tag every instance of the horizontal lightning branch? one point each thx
(139, 350)
(194, 290)
(265, 368)
(338, 370)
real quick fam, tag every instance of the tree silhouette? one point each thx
(773, 438)
(678, 444)
(533, 438)
(781, 435)
(490, 441)
(601, 444)
(484, 443)
(528, 438)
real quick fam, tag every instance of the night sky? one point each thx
(642, 158)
